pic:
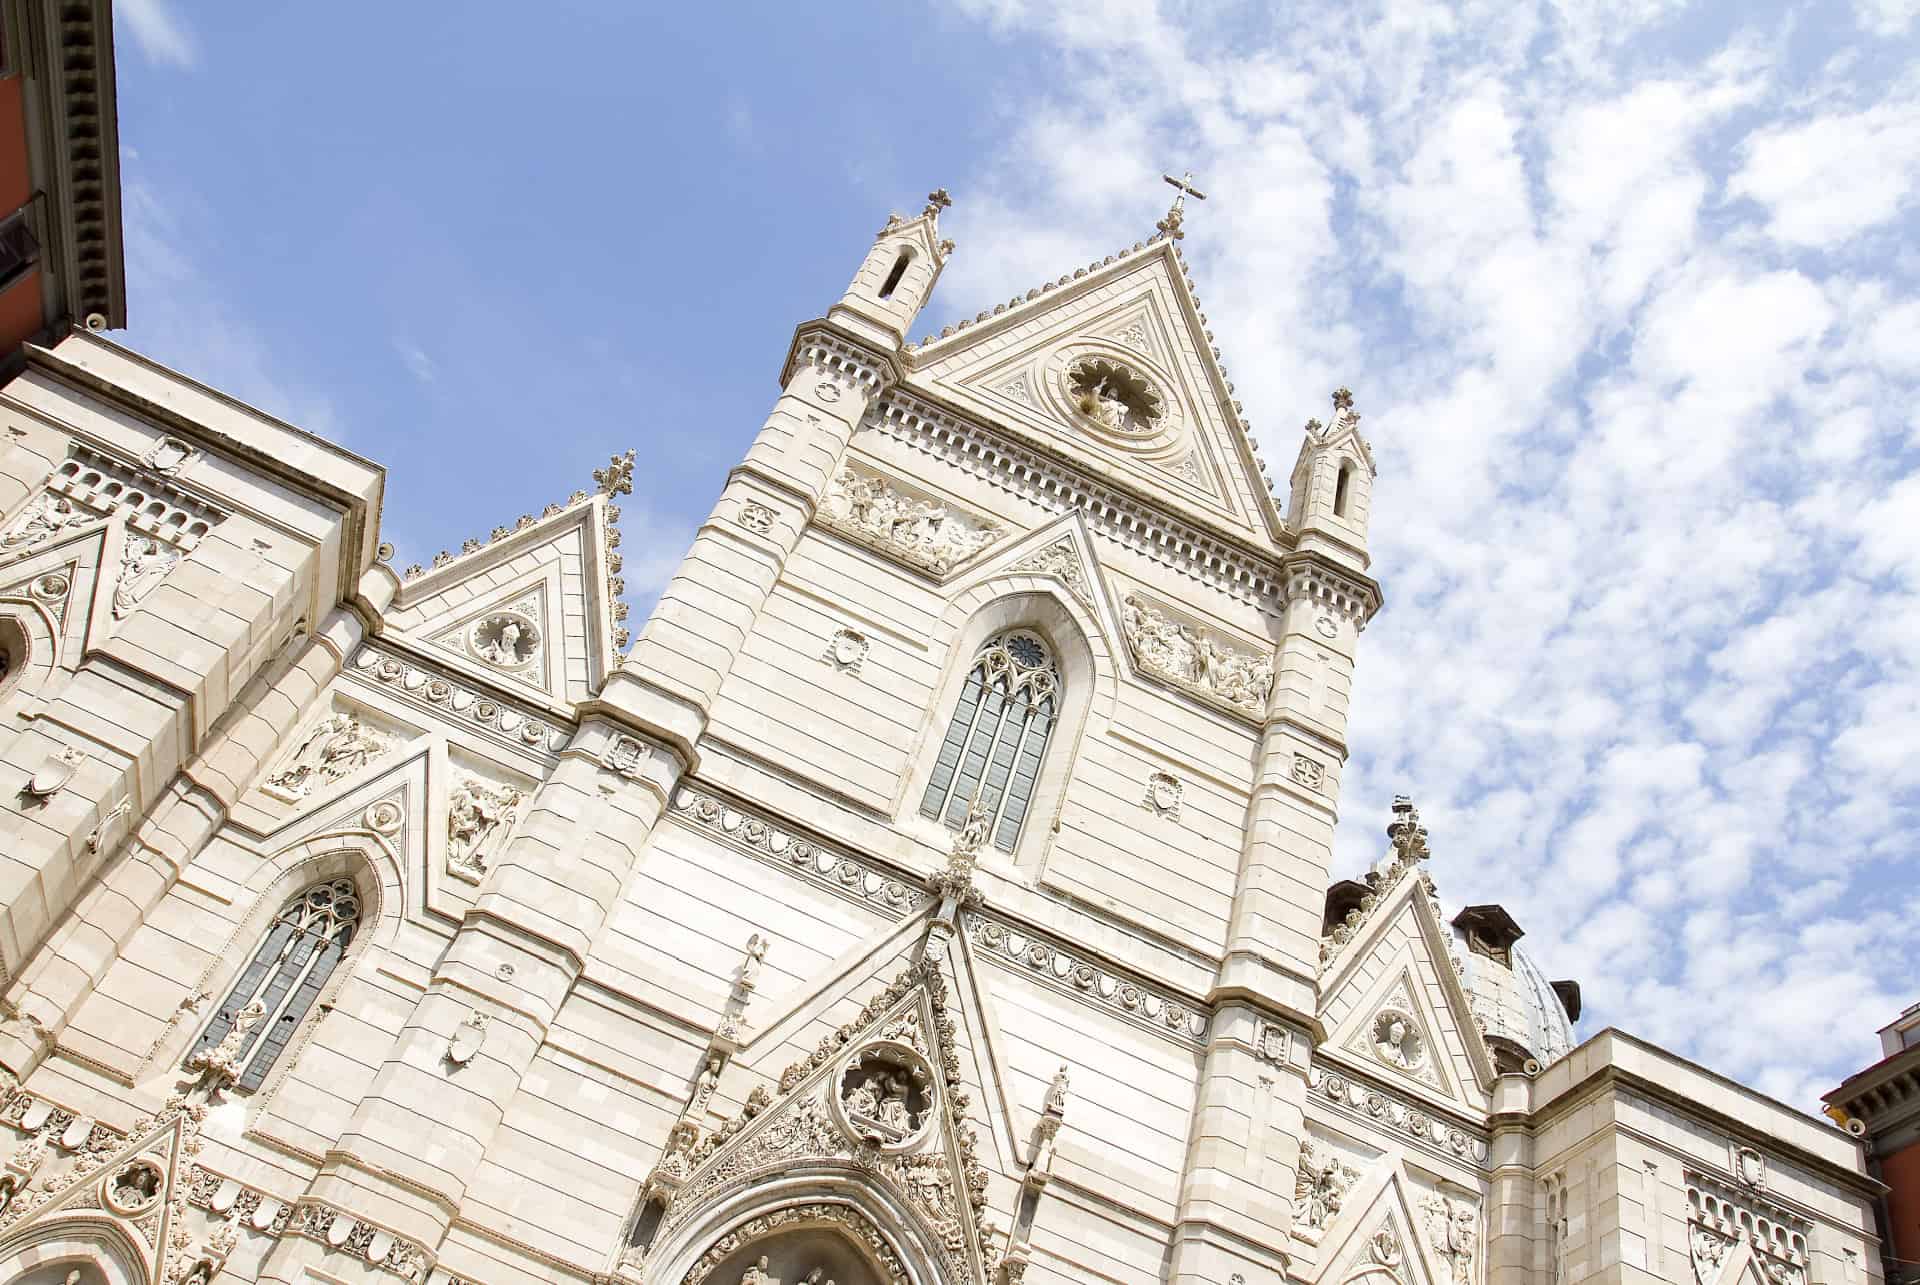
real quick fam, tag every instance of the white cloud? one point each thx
(1634, 421)
(159, 33)
(1834, 176)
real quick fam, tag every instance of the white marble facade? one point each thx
(364, 926)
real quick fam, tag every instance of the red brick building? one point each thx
(1882, 1104)
(61, 259)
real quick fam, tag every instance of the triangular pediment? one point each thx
(134, 1182)
(882, 1100)
(1395, 962)
(1114, 364)
(1379, 1234)
(531, 611)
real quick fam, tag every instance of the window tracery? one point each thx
(997, 737)
(302, 947)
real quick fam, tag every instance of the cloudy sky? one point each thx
(1625, 291)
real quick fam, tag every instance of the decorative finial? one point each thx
(1343, 399)
(937, 200)
(956, 881)
(1408, 835)
(617, 477)
(1315, 426)
(1183, 187)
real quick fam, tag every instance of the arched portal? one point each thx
(72, 1253)
(848, 1231)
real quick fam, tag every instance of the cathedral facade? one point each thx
(936, 892)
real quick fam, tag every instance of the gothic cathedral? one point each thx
(937, 891)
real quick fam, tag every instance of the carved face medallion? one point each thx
(1397, 1041)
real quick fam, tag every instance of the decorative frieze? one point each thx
(1073, 973)
(839, 872)
(1720, 1213)
(1347, 597)
(1415, 1122)
(379, 1248)
(91, 485)
(1197, 660)
(431, 690)
(922, 532)
(840, 364)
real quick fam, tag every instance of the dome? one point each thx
(1513, 1001)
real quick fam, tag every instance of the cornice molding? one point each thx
(833, 350)
(1338, 589)
(1117, 512)
(1364, 1099)
(455, 698)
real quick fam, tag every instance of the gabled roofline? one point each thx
(1082, 281)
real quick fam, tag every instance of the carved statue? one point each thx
(751, 965)
(475, 812)
(757, 1273)
(1453, 1230)
(335, 747)
(1100, 404)
(1056, 1102)
(143, 564)
(48, 517)
(1396, 1040)
(1320, 1183)
(221, 1062)
(136, 1185)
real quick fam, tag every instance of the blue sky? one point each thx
(1625, 290)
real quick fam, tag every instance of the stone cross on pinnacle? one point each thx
(1183, 187)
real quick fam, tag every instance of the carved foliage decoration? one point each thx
(1061, 562)
(1197, 661)
(881, 1097)
(922, 532)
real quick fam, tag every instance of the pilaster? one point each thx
(689, 644)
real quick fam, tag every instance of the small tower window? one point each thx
(997, 738)
(1340, 485)
(893, 277)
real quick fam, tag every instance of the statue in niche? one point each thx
(336, 747)
(757, 1273)
(136, 1186)
(48, 517)
(143, 564)
(1099, 403)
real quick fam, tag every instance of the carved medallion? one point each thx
(1397, 1040)
(506, 639)
(1308, 772)
(885, 1095)
(757, 518)
(846, 650)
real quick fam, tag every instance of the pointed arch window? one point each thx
(302, 947)
(998, 736)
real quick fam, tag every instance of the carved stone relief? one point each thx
(143, 565)
(42, 520)
(1320, 1184)
(1163, 795)
(846, 650)
(1722, 1213)
(334, 748)
(1453, 1230)
(1059, 561)
(479, 814)
(1196, 660)
(757, 518)
(1397, 1040)
(1115, 397)
(924, 533)
(1308, 772)
(505, 640)
(447, 695)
